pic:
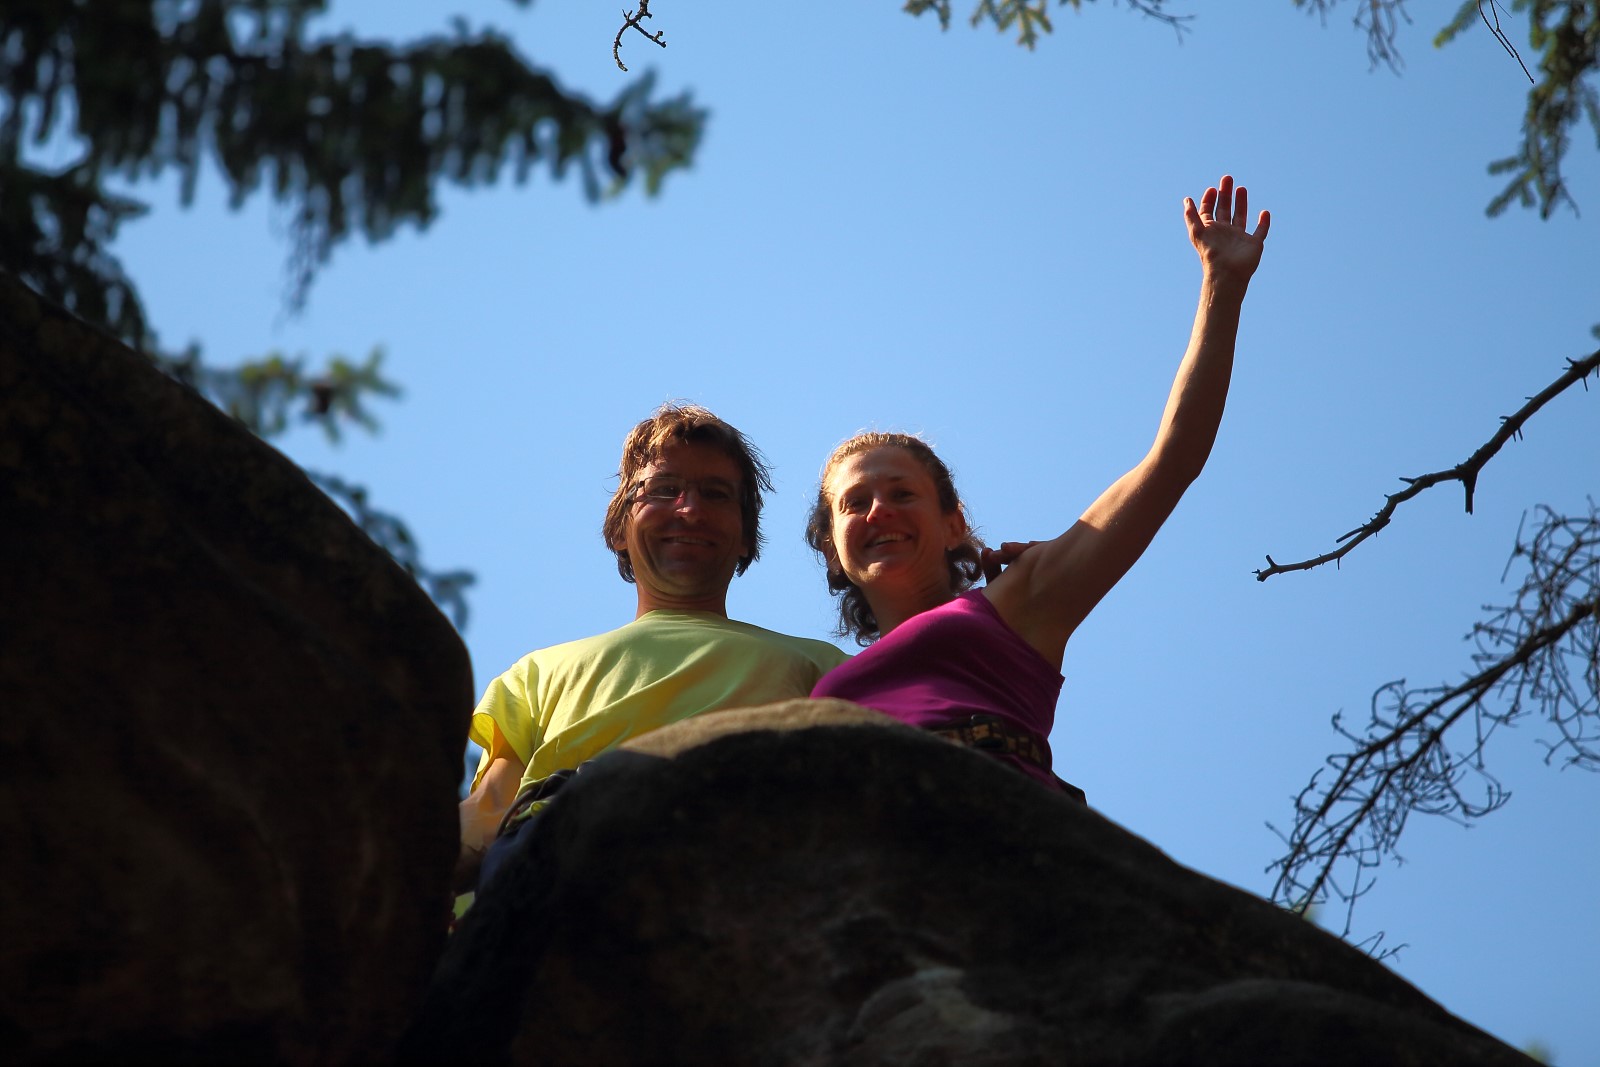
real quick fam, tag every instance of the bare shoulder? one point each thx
(1019, 598)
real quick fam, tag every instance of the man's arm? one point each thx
(485, 806)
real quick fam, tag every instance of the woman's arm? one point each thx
(1050, 589)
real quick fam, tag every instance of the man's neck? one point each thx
(709, 605)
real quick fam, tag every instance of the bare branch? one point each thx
(1539, 654)
(1465, 472)
(1379, 20)
(1152, 10)
(632, 19)
(1500, 35)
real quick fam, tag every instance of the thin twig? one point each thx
(1152, 10)
(1465, 472)
(1499, 35)
(633, 19)
(1540, 653)
(1356, 767)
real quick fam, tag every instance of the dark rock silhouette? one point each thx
(867, 894)
(230, 731)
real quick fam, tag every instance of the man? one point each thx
(685, 518)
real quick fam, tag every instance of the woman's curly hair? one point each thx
(855, 614)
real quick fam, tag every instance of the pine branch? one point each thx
(354, 136)
(1032, 17)
(389, 532)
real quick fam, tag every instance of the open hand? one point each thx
(1228, 252)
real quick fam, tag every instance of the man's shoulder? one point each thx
(649, 628)
(821, 652)
(532, 662)
(656, 627)
(583, 645)
(696, 625)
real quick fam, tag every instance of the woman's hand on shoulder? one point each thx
(995, 560)
(1217, 229)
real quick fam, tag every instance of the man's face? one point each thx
(684, 546)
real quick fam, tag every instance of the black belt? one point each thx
(993, 734)
(996, 736)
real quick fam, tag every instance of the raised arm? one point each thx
(1051, 588)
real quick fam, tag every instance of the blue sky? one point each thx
(889, 226)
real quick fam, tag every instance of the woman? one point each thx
(984, 665)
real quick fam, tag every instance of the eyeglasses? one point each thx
(667, 489)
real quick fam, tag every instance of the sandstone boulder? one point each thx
(866, 894)
(230, 731)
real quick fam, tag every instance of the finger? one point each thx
(1010, 550)
(990, 563)
(1263, 224)
(1191, 218)
(1224, 210)
(1241, 205)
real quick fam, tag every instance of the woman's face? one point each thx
(888, 530)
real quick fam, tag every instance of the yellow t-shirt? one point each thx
(562, 705)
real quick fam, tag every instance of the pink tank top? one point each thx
(942, 667)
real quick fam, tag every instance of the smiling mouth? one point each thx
(886, 539)
(686, 541)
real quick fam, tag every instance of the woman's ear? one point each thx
(955, 529)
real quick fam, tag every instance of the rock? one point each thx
(866, 894)
(230, 731)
